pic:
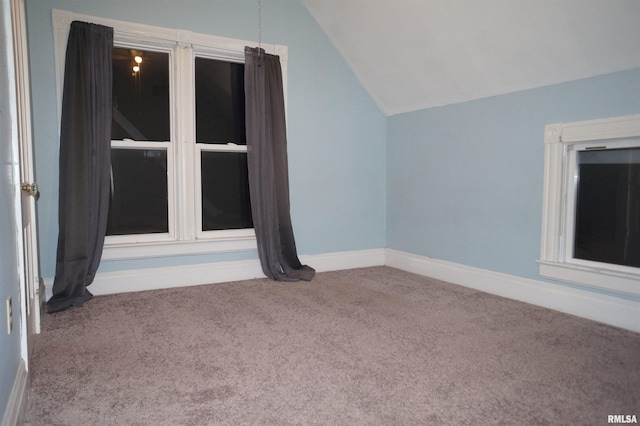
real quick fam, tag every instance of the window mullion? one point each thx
(173, 155)
(184, 113)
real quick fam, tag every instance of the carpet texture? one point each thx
(372, 346)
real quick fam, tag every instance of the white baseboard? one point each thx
(174, 276)
(127, 281)
(345, 260)
(610, 310)
(210, 273)
(17, 403)
(598, 307)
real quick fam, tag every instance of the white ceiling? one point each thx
(414, 54)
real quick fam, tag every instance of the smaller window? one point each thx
(607, 206)
(591, 208)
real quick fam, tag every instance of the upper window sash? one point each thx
(562, 140)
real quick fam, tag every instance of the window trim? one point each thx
(555, 261)
(184, 239)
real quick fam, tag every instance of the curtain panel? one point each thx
(268, 168)
(85, 161)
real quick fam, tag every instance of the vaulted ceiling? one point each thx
(414, 54)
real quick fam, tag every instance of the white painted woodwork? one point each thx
(556, 261)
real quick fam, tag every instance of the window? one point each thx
(221, 144)
(141, 143)
(179, 156)
(607, 205)
(591, 210)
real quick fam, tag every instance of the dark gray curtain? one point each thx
(268, 168)
(85, 161)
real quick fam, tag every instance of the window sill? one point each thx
(151, 250)
(593, 276)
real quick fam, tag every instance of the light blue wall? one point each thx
(461, 183)
(336, 132)
(10, 352)
(464, 181)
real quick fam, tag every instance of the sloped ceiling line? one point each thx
(415, 54)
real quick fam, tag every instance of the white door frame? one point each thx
(32, 294)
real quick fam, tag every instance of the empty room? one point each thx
(391, 212)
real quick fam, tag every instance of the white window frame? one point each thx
(183, 154)
(562, 142)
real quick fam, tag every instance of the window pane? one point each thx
(608, 207)
(225, 191)
(140, 98)
(138, 192)
(219, 102)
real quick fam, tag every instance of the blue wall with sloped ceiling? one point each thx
(460, 183)
(336, 133)
(465, 181)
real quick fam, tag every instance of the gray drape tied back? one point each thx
(85, 161)
(268, 168)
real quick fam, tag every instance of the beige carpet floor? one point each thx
(372, 346)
